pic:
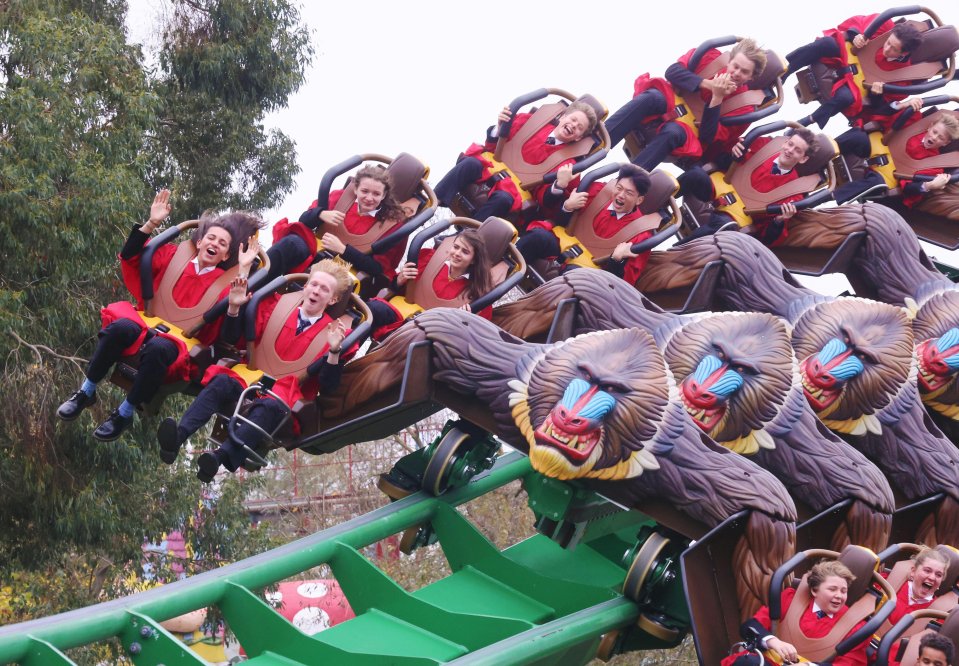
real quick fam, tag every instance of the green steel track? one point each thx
(535, 602)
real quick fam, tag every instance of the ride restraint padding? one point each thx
(406, 174)
(497, 233)
(925, 62)
(162, 304)
(264, 355)
(754, 95)
(862, 562)
(809, 174)
(662, 187)
(907, 166)
(531, 175)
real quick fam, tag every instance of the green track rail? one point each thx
(535, 602)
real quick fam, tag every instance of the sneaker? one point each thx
(76, 403)
(169, 440)
(208, 466)
(113, 427)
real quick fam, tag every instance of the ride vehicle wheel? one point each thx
(643, 565)
(653, 626)
(390, 489)
(607, 645)
(416, 536)
(408, 540)
(440, 470)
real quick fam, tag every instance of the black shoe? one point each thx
(76, 403)
(209, 466)
(169, 440)
(113, 427)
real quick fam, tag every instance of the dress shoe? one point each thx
(169, 440)
(208, 465)
(76, 403)
(113, 427)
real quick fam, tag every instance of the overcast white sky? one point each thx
(427, 77)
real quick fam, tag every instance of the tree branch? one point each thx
(36, 349)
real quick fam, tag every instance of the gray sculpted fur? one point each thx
(858, 369)
(767, 418)
(644, 452)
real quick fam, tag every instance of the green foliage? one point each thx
(85, 139)
(224, 65)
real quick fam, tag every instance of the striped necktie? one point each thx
(301, 324)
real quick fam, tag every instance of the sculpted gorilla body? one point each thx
(891, 266)
(856, 361)
(739, 383)
(602, 408)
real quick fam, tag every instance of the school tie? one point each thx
(776, 170)
(301, 324)
(820, 614)
(551, 141)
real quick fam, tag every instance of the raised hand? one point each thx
(337, 331)
(504, 115)
(247, 254)
(859, 41)
(239, 296)
(159, 211)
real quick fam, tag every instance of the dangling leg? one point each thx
(156, 357)
(630, 116)
(113, 339)
(219, 395)
(267, 413)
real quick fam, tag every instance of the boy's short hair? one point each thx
(827, 568)
(754, 53)
(951, 123)
(591, 118)
(340, 270)
(938, 642)
(807, 135)
(908, 35)
(638, 175)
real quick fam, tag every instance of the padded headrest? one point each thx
(775, 66)
(662, 186)
(951, 577)
(598, 107)
(862, 562)
(498, 234)
(937, 44)
(950, 626)
(339, 308)
(819, 161)
(297, 281)
(406, 172)
(934, 111)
